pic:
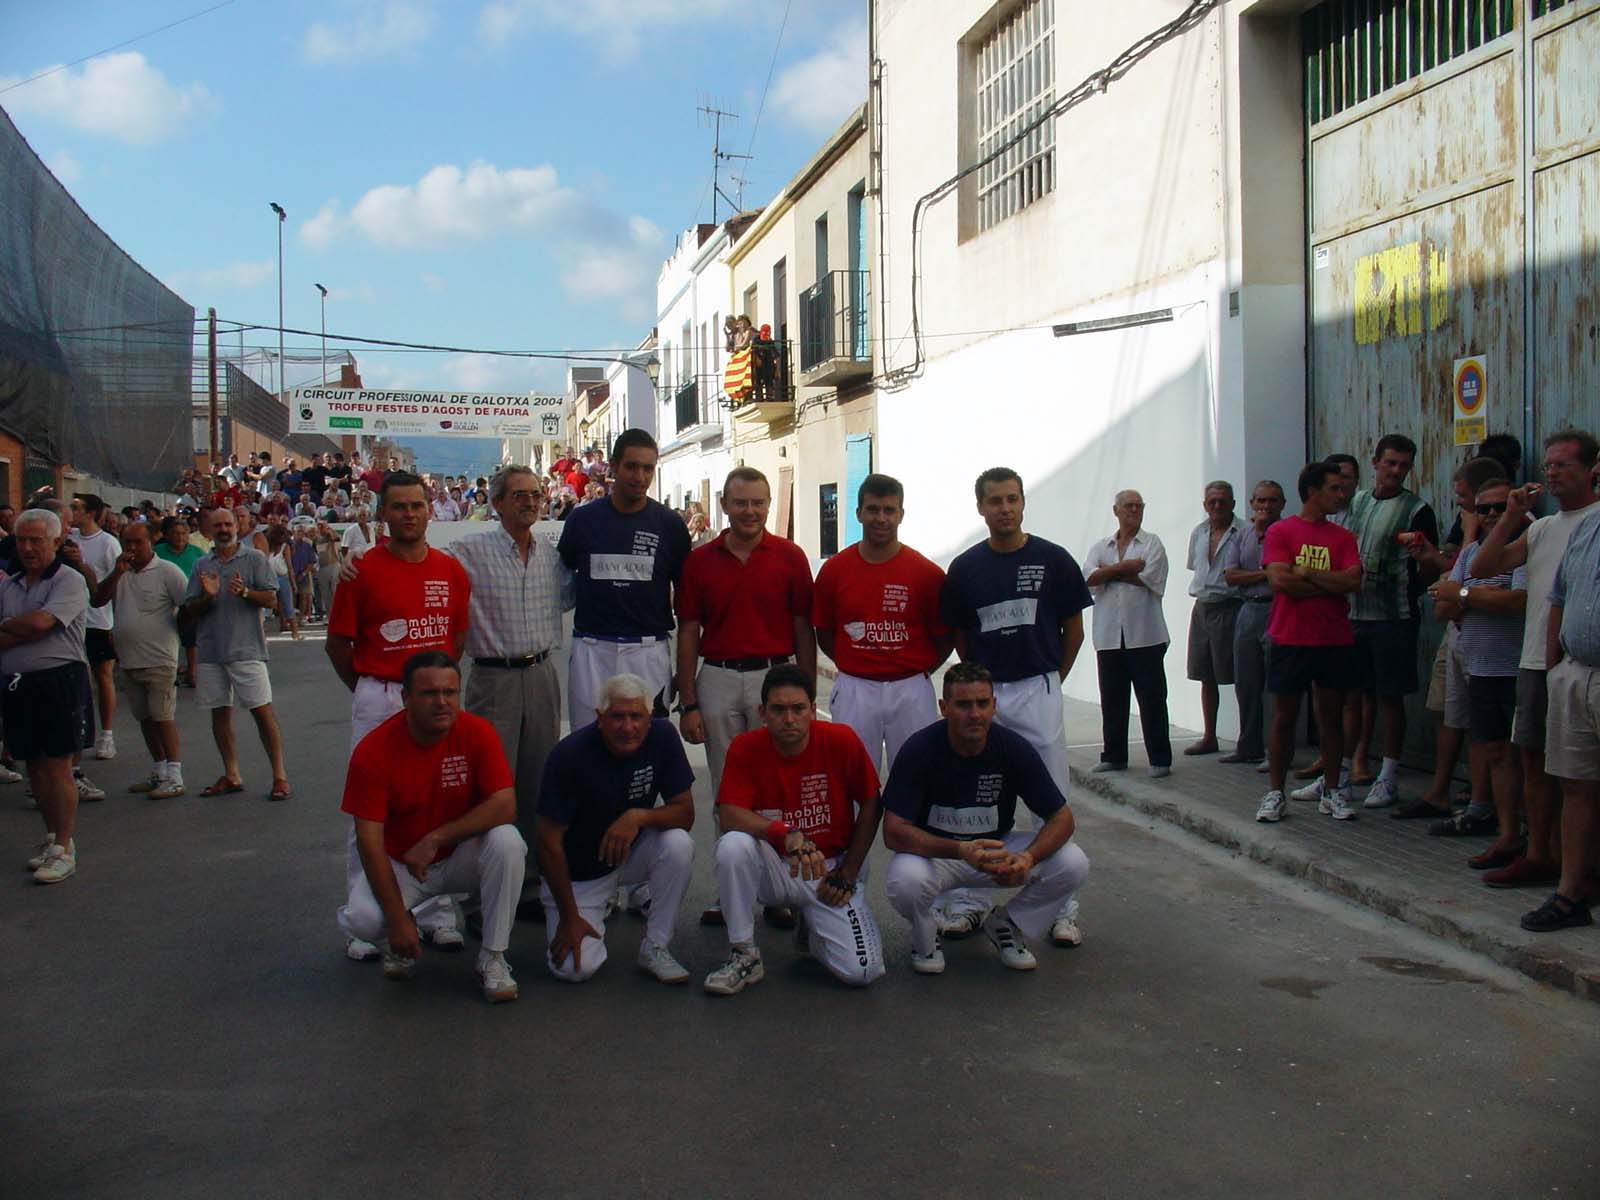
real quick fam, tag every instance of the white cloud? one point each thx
(373, 29)
(618, 25)
(434, 283)
(361, 293)
(601, 254)
(235, 277)
(65, 167)
(117, 95)
(817, 93)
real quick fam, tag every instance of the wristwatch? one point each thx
(688, 708)
(1463, 594)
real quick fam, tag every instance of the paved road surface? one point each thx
(183, 1023)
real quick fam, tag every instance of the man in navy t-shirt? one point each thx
(1015, 602)
(627, 553)
(600, 828)
(950, 813)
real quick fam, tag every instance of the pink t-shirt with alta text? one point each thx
(1322, 620)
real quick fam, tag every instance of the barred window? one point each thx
(1015, 86)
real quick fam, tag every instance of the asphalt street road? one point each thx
(182, 1022)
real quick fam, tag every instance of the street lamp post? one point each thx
(324, 292)
(283, 394)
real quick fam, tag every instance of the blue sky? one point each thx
(481, 173)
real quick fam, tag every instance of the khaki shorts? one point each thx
(152, 692)
(226, 685)
(1211, 641)
(1572, 736)
(1447, 688)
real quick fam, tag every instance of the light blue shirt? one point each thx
(1207, 584)
(1577, 590)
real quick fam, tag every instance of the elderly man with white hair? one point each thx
(48, 709)
(600, 828)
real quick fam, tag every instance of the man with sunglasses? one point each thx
(1488, 611)
(1569, 461)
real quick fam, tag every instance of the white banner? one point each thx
(369, 412)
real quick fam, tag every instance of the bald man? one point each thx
(1127, 576)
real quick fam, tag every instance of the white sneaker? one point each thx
(1005, 938)
(358, 951)
(929, 964)
(88, 791)
(149, 783)
(960, 914)
(1273, 807)
(495, 974)
(1337, 805)
(1382, 794)
(742, 969)
(168, 790)
(655, 960)
(397, 966)
(42, 856)
(61, 862)
(1311, 791)
(7, 775)
(445, 937)
(105, 746)
(1064, 929)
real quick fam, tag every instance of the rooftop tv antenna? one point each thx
(712, 114)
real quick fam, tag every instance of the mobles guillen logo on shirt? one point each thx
(637, 567)
(874, 635)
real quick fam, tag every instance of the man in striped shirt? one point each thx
(519, 591)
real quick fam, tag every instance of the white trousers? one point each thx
(595, 660)
(373, 703)
(1032, 707)
(914, 883)
(663, 858)
(845, 940)
(490, 864)
(730, 702)
(884, 713)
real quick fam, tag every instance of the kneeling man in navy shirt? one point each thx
(599, 828)
(949, 811)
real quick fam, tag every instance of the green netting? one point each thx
(95, 352)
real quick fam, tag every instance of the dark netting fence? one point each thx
(94, 352)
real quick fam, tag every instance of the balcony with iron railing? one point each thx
(835, 330)
(771, 394)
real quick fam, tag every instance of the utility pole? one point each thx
(283, 393)
(211, 386)
(713, 116)
(324, 380)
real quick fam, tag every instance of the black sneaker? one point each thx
(1463, 825)
(1557, 913)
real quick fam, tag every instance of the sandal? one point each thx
(1492, 859)
(280, 790)
(1417, 809)
(1557, 913)
(223, 787)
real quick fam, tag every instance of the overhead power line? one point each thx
(137, 38)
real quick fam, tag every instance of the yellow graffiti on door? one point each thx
(1400, 291)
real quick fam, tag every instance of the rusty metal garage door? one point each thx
(1453, 209)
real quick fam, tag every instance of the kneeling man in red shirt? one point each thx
(434, 807)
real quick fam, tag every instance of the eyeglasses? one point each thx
(524, 497)
(1487, 510)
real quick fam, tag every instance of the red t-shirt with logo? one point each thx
(393, 608)
(745, 609)
(816, 791)
(415, 789)
(884, 617)
(1322, 620)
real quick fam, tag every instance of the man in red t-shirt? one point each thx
(375, 475)
(744, 602)
(404, 597)
(876, 612)
(431, 797)
(799, 807)
(1311, 565)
